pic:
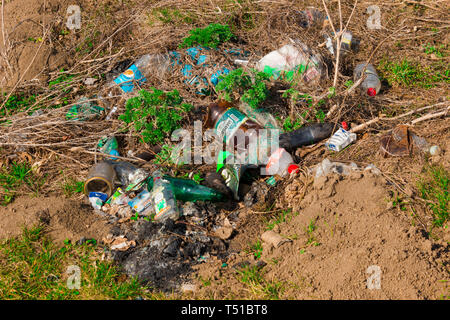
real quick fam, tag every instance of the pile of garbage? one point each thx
(176, 218)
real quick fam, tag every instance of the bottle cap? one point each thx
(371, 92)
(293, 168)
(344, 125)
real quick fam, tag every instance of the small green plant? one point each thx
(289, 125)
(434, 187)
(280, 218)
(170, 16)
(211, 36)
(250, 86)
(257, 249)
(430, 49)
(309, 231)
(72, 186)
(348, 84)
(62, 79)
(17, 103)
(15, 177)
(253, 277)
(154, 115)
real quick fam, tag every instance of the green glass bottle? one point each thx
(189, 190)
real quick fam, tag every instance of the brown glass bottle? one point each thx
(227, 120)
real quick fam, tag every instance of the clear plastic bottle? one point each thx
(163, 198)
(261, 116)
(150, 64)
(371, 85)
(348, 43)
(292, 59)
(281, 163)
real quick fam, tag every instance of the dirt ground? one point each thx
(355, 228)
(341, 232)
(65, 219)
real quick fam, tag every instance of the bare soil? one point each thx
(356, 225)
(65, 219)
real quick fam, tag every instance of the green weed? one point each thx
(253, 277)
(436, 50)
(250, 86)
(256, 249)
(15, 177)
(170, 16)
(154, 115)
(280, 218)
(211, 36)
(72, 186)
(17, 103)
(434, 187)
(309, 231)
(410, 74)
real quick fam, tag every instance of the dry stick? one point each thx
(425, 117)
(431, 116)
(414, 111)
(3, 26)
(79, 149)
(357, 83)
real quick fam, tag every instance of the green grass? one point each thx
(32, 267)
(256, 249)
(434, 187)
(281, 217)
(438, 51)
(17, 177)
(170, 16)
(253, 278)
(72, 186)
(310, 228)
(407, 73)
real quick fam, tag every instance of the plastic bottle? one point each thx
(371, 84)
(109, 145)
(348, 43)
(142, 203)
(290, 60)
(309, 17)
(149, 64)
(163, 198)
(261, 116)
(340, 139)
(281, 163)
(306, 135)
(189, 190)
(84, 110)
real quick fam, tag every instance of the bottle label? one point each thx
(125, 80)
(311, 74)
(229, 123)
